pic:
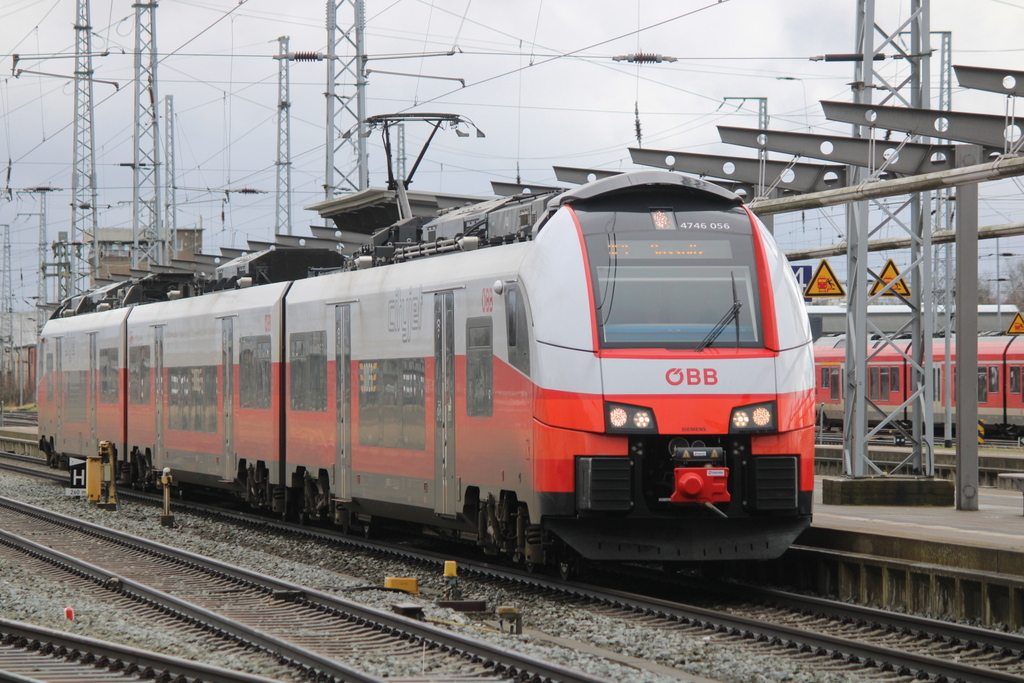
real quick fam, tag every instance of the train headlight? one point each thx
(626, 419)
(757, 417)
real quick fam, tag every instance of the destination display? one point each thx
(671, 249)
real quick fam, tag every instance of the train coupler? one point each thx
(701, 485)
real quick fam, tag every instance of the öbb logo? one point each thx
(691, 376)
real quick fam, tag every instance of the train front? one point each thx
(674, 409)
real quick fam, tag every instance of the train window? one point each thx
(937, 383)
(76, 384)
(1014, 379)
(392, 409)
(479, 367)
(138, 375)
(825, 374)
(993, 379)
(49, 376)
(192, 398)
(894, 380)
(665, 277)
(982, 385)
(873, 383)
(254, 372)
(308, 366)
(518, 330)
(835, 384)
(109, 375)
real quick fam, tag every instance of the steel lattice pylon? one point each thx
(170, 195)
(6, 301)
(283, 204)
(83, 174)
(864, 339)
(149, 242)
(346, 105)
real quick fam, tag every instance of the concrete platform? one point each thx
(999, 522)
(934, 560)
(902, 491)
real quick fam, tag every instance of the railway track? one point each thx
(838, 635)
(18, 419)
(328, 637)
(32, 654)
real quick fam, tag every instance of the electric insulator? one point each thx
(306, 56)
(644, 58)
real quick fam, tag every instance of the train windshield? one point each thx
(671, 277)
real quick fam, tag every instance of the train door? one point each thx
(92, 393)
(158, 387)
(227, 353)
(343, 401)
(445, 490)
(58, 388)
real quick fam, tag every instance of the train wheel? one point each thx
(569, 564)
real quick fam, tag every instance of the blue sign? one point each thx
(803, 277)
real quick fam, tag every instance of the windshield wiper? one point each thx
(733, 314)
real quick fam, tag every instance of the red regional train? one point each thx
(1000, 399)
(622, 371)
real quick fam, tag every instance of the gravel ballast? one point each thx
(30, 596)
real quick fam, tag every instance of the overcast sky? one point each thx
(540, 82)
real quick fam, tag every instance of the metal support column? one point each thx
(283, 201)
(855, 454)
(6, 302)
(148, 239)
(83, 174)
(865, 340)
(170, 191)
(345, 109)
(967, 376)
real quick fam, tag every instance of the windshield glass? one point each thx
(664, 276)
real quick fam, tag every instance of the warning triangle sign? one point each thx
(824, 283)
(889, 273)
(1016, 325)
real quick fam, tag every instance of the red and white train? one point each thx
(1000, 397)
(620, 371)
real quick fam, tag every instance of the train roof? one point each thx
(628, 181)
(368, 234)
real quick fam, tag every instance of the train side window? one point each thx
(873, 383)
(479, 367)
(982, 385)
(835, 384)
(993, 379)
(76, 395)
(109, 374)
(518, 332)
(392, 408)
(308, 366)
(894, 380)
(138, 375)
(254, 372)
(192, 398)
(1014, 379)
(937, 383)
(883, 389)
(825, 374)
